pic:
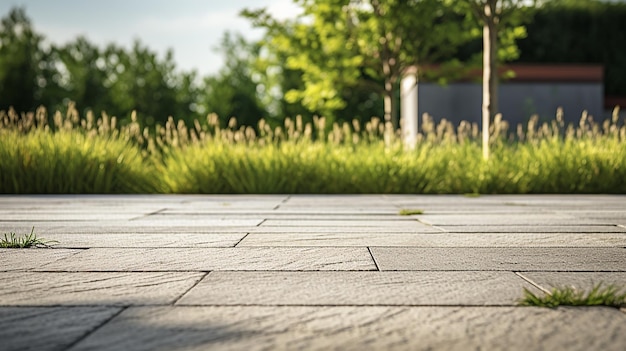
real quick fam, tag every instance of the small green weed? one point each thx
(12, 241)
(569, 296)
(408, 212)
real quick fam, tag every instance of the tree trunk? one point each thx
(490, 72)
(390, 104)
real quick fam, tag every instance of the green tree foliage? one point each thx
(83, 74)
(114, 78)
(233, 92)
(140, 81)
(348, 45)
(21, 79)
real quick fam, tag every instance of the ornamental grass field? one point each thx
(83, 154)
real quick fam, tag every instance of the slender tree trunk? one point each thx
(389, 104)
(387, 101)
(490, 72)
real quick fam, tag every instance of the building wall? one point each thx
(517, 101)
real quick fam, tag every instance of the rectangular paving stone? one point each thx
(437, 240)
(398, 223)
(34, 217)
(374, 229)
(342, 210)
(49, 328)
(209, 259)
(192, 221)
(501, 259)
(360, 328)
(26, 259)
(565, 201)
(580, 280)
(287, 216)
(358, 288)
(40, 289)
(496, 219)
(532, 228)
(146, 240)
(144, 229)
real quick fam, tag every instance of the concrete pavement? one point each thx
(192, 272)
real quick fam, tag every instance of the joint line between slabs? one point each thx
(148, 214)
(191, 287)
(88, 333)
(373, 259)
(239, 242)
(532, 282)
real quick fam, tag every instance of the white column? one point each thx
(408, 107)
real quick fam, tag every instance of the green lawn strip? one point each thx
(12, 241)
(599, 295)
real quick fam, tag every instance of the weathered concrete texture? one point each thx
(144, 229)
(309, 272)
(361, 328)
(358, 288)
(400, 222)
(145, 240)
(532, 228)
(502, 259)
(41, 289)
(209, 259)
(374, 228)
(579, 280)
(283, 215)
(25, 259)
(192, 221)
(49, 328)
(67, 216)
(437, 240)
(509, 219)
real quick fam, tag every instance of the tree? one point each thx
(84, 74)
(139, 80)
(493, 15)
(341, 44)
(233, 92)
(20, 54)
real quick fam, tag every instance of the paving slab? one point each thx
(509, 219)
(358, 288)
(501, 259)
(118, 288)
(360, 328)
(34, 217)
(584, 281)
(373, 229)
(532, 228)
(342, 210)
(133, 240)
(309, 272)
(193, 221)
(63, 228)
(49, 328)
(397, 223)
(437, 240)
(210, 259)
(26, 259)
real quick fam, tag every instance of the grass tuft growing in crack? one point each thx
(409, 212)
(599, 295)
(12, 241)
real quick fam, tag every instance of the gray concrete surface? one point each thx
(251, 272)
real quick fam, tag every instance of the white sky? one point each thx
(192, 28)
